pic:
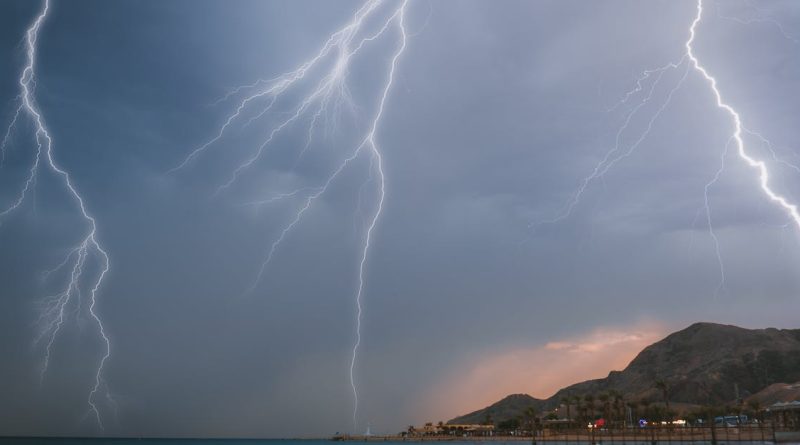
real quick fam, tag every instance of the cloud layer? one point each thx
(499, 111)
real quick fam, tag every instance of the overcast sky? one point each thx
(497, 112)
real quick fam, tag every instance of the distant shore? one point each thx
(704, 435)
(395, 438)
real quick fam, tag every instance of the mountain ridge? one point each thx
(703, 364)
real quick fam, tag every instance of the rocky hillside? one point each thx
(779, 392)
(513, 406)
(704, 364)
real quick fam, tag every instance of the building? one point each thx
(442, 429)
(785, 414)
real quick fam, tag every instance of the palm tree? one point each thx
(755, 407)
(618, 404)
(663, 386)
(589, 399)
(567, 401)
(645, 403)
(604, 400)
(530, 413)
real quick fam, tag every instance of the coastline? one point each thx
(695, 435)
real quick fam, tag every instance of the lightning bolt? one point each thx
(617, 153)
(761, 17)
(327, 96)
(8, 134)
(710, 225)
(759, 165)
(54, 310)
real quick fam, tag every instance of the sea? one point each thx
(119, 441)
(143, 441)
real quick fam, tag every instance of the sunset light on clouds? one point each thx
(540, 370)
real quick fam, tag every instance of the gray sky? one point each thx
(498, 111)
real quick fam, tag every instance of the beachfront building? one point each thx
(442, 429)
(429, 429)
(785, 414)
(468, 430)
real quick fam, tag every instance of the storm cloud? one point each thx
(498, 111)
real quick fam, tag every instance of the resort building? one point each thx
(441, 429)
(785, 414)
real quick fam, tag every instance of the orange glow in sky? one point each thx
(540, 370)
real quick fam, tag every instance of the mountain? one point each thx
(511, 407)
(704, 364)
(778, 392)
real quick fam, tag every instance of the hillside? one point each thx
(778, 392)
(512, 406)
(703, 364)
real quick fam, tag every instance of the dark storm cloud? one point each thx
(497, 113)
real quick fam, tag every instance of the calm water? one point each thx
(38, 441)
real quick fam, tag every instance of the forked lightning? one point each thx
(327, 95)
(647, 83)
(55, 308)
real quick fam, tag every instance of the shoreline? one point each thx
(705, 435)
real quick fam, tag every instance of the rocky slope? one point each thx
(513, 406)
(704, 364)
(779, 392)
